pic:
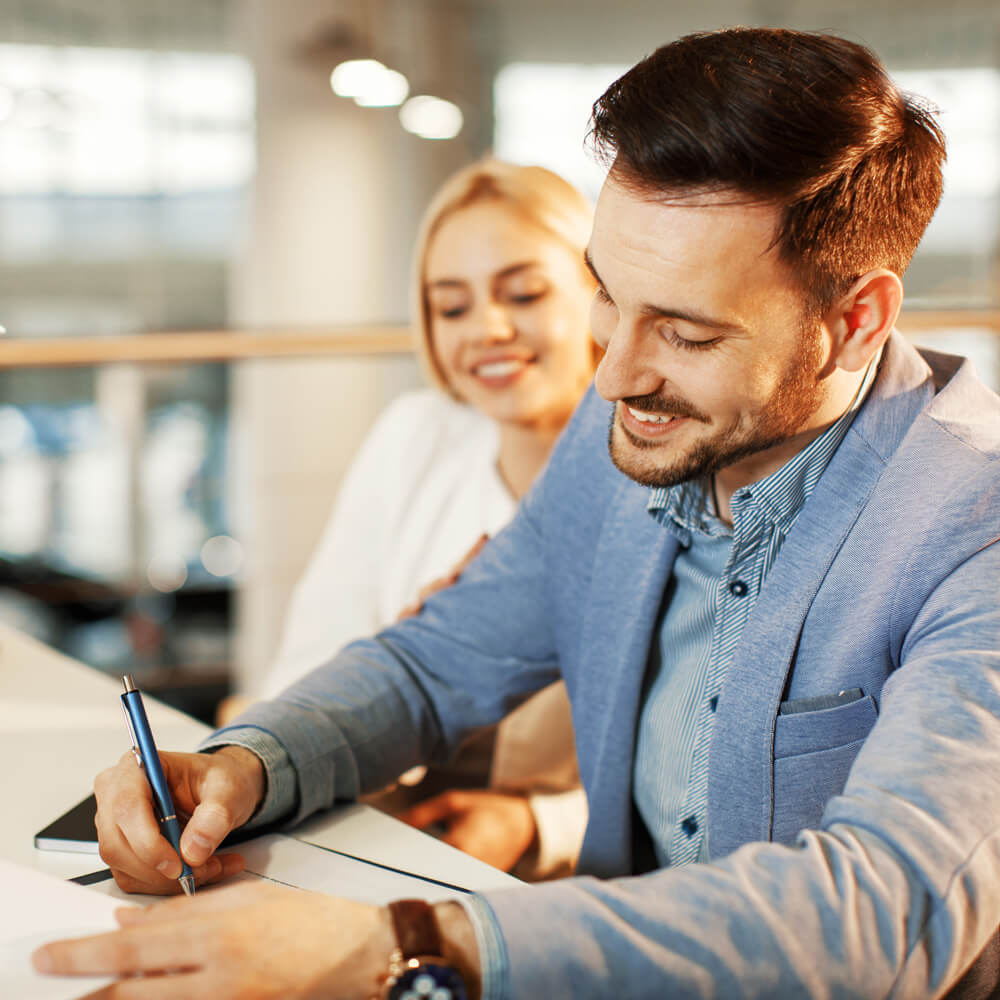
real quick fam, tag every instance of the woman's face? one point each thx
(509, 315)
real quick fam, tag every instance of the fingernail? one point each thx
(200, 841)
(42, 961)
(168, 868)
(197, 847)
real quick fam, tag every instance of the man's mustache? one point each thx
(667, 406)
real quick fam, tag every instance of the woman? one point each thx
(502, 300)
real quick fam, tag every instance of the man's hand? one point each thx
(244, 942)
(218, 791)
(495, 827)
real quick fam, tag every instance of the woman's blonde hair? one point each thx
(538, 195)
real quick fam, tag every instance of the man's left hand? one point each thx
(495, 827)
(252, 942)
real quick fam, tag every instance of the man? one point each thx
(770, 587)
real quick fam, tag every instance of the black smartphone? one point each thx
(73, 831)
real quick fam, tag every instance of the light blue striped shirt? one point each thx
(717, 575)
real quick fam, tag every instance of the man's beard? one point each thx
(797, 397)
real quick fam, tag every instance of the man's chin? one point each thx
(639, 463)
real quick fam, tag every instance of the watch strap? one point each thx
(416, 928)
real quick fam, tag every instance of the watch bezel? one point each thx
(396, 983)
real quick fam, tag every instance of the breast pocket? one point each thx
(813, 753)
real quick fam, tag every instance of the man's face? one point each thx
(709, 354)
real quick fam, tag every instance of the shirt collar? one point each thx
(685, 508)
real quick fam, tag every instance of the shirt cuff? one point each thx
(494, 963)
(282, 794)
(560, 821)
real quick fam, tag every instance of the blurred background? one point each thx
(204, 260)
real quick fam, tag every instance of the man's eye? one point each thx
(602, 296)
(672, 337)
(452, 313)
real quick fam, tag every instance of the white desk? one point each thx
(61, 722)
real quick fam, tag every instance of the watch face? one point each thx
(429, 982)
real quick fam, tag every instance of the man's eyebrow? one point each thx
(686, 315)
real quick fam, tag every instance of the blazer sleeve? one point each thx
(895, 894)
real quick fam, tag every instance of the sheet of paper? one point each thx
(38, 908)
(287, 861)
(306, 866)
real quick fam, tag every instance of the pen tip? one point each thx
(187, 884)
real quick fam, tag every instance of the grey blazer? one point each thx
(855, 849)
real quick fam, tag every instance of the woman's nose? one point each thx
(497, 324)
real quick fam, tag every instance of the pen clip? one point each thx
(131, 732)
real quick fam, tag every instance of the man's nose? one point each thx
(627, 368)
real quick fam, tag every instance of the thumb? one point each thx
(209, 825)
(220, 808)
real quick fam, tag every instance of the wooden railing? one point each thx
(192, 346)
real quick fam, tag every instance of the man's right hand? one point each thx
(219, 791)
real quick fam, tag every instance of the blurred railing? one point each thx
(236, 345)
(201, 345)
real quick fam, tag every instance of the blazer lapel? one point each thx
(632, 564)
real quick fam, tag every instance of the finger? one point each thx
(187, 907)
(128, 832)
(124, 952)
(130, 873)
(435, 809)
(184, 986)
(215, 869)
(472, 553)
(218, 868)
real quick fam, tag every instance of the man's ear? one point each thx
(862, 318)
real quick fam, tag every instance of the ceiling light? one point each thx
(431, 117)
(370, 83)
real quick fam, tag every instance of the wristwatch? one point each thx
(418, 969)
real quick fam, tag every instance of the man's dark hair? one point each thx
(809, 122)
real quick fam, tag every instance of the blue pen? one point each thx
(149, 760)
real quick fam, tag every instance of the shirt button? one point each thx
(690, 826)
(713, 702)
(738, 588)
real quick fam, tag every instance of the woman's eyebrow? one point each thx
(447, 283)
(507, 272)
(524, 265)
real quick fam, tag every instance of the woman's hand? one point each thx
(443, 582)
(495, 827)
(219, 791)
(244, 942)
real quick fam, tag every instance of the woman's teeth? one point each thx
(498, 369)
(649, 418)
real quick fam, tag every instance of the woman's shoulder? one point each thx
(433, 407)
(429, 421)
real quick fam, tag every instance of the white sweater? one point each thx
(422, 489)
